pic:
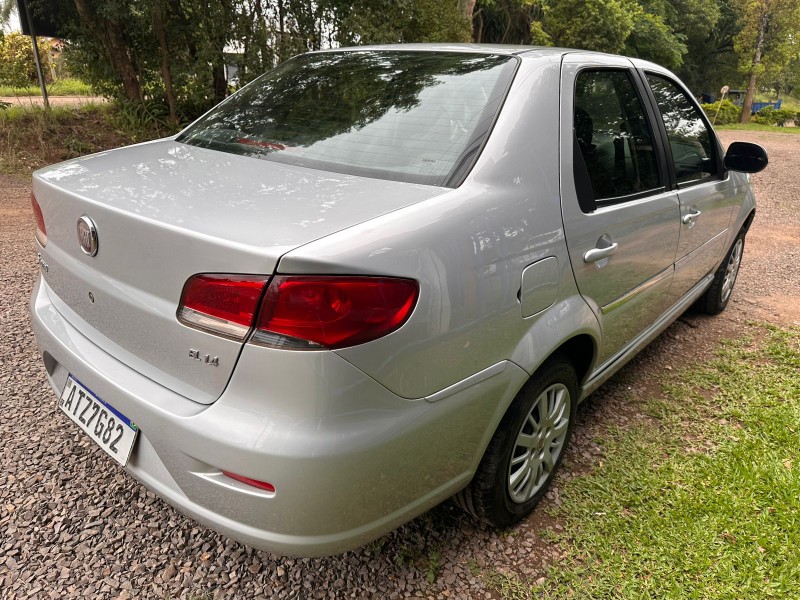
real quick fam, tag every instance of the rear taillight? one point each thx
(314, 312)
(225, 305)
(41, 231)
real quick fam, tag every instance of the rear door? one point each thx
(707, 197)
(621, 219)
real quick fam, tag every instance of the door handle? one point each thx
(596, 254)
(691, 216)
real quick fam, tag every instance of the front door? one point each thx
(707, 198)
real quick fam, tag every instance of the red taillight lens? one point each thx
(41, 231)
(222, 304)
(300, 312)
(262, 485)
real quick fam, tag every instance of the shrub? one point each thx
(770, 116)
(783, 116)
(17, 67)
(728, 112)
(764, 116)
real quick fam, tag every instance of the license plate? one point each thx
(113, 431)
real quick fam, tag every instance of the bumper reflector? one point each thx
(262, 485)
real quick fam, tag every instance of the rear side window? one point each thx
(689, 139)
(614, 135)
(409, 116)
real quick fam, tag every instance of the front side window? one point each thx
(407, 116)
(689, 139)
(614, 135)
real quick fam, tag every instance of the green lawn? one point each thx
(702, 501)
(756, 127)
(789, 102)
(62, 87)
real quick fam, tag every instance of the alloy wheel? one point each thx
(539, 443)
(732, 270)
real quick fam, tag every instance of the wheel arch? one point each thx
(748, 221)
(581, 351)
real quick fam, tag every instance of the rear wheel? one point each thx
(525, 451)
(717, 296)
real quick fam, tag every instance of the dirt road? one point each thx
(72, 524)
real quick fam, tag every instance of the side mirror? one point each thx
(745, 157)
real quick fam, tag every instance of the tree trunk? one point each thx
(281, 32)
(110, 35)
(267, 53)
(166, 74)
(467, 8)
(218, 32)
(218, 74)
(747, 106)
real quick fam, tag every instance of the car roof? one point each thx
(506, 49)
(527, 52)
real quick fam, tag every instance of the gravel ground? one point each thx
(72, 524)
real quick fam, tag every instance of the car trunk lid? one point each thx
(165, 211)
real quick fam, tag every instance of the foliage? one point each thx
(31, 137)
(509, 22)
(770, 27)
(723, 113)
(177, 52)
(605, 25)
(770, 116)
(657, 30)
(180, 53)
(133, 117)
(767, 42)
(6, 8)
(68, 86)
(17, 64)
(710, 61)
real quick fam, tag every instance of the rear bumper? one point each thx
(349, 459)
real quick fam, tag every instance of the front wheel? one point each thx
(717, 296)
(525, 451)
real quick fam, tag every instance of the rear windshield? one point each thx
(420, 117)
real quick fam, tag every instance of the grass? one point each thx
(789, 102)
(31, 138)
(62, 87)
(699, 502)
(756, 127)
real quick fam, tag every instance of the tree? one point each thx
(110, 24)
(601, 25)
(768, 37)
(710, 61)
(6, 8)
(507, 21)
(665, 30)
(17, 64)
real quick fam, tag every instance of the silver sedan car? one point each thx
(379, 277)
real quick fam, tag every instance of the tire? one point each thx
(717, 296)
(524, 453)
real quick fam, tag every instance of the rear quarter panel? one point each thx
(467, 249)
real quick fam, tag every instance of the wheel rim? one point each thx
(539, 443)
(732, 270)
